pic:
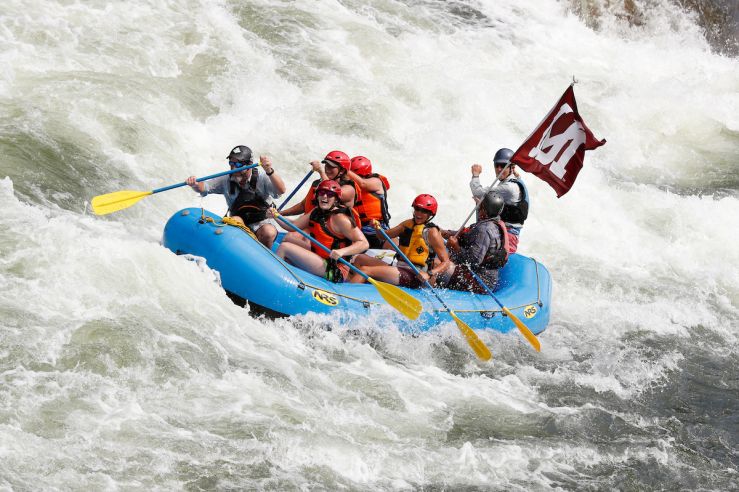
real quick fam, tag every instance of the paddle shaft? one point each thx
(525, 331)
(205, 178)
(315, 241)
(485, 286)
(300, 185)
(477, 206)
(415, 270)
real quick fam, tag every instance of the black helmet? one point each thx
(240, 153)
(492, 203)
(503, 156)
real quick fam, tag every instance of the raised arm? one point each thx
(366, 184)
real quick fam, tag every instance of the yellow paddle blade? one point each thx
(118, 200)
(528, 334)
(482, 350)
(409, 306)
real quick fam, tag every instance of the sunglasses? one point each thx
(497, 165)
(237, 164)
(325, 193)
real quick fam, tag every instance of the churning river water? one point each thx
(125, 367)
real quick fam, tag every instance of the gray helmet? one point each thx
(240, 153)
(503, 156)
(492, 203)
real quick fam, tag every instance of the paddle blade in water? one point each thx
(524, 330)
(409, 306)
(482, 350)
(113, 202)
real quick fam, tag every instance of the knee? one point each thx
(268, 232)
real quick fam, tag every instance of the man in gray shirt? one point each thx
(511, 188)
(481, 248)
(248, 194)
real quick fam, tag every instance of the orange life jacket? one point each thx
(310, 202)
(320, 229)
(372, 205)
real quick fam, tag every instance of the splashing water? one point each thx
(124, 366)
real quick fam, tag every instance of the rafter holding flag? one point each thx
(555, 150)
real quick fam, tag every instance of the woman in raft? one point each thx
(420, 240)
(332, 225)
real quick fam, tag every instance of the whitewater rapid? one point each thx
(123, 366)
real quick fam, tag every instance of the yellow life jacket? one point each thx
(414, 243)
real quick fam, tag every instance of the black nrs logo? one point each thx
(530, 311)
(325, 297)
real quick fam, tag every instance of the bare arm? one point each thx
(274, 177)
(199, 187)
(437, 242)
(395, 231)
(317, 167)
(347, 196)
(368, 185)
(344, 226)
(296, 209)
(301, 222)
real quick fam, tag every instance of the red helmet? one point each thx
(337, 158)
(426, 202)
(361, 165)
(330, 186)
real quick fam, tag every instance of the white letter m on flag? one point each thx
(570, 140)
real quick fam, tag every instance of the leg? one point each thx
(359, 262)
(267, 234)
(384, 273)
(302, 258)
(295, 238)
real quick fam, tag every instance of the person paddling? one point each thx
(420, 241)
(248, 193)
(372, 205)
(481, 248)
(335, 165)
(331, 224)
(513, 191)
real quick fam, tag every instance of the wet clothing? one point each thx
(320, 229)
(483, 250)
(407, 277)
(259, 188)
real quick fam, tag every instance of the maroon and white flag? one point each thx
(556, 149)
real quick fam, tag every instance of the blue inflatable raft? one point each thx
(249, 270)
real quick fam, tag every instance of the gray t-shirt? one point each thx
(221, 186)
(510, 192)
(507, 189)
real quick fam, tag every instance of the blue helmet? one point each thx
(503, 156)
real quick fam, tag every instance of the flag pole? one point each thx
(495, 183)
